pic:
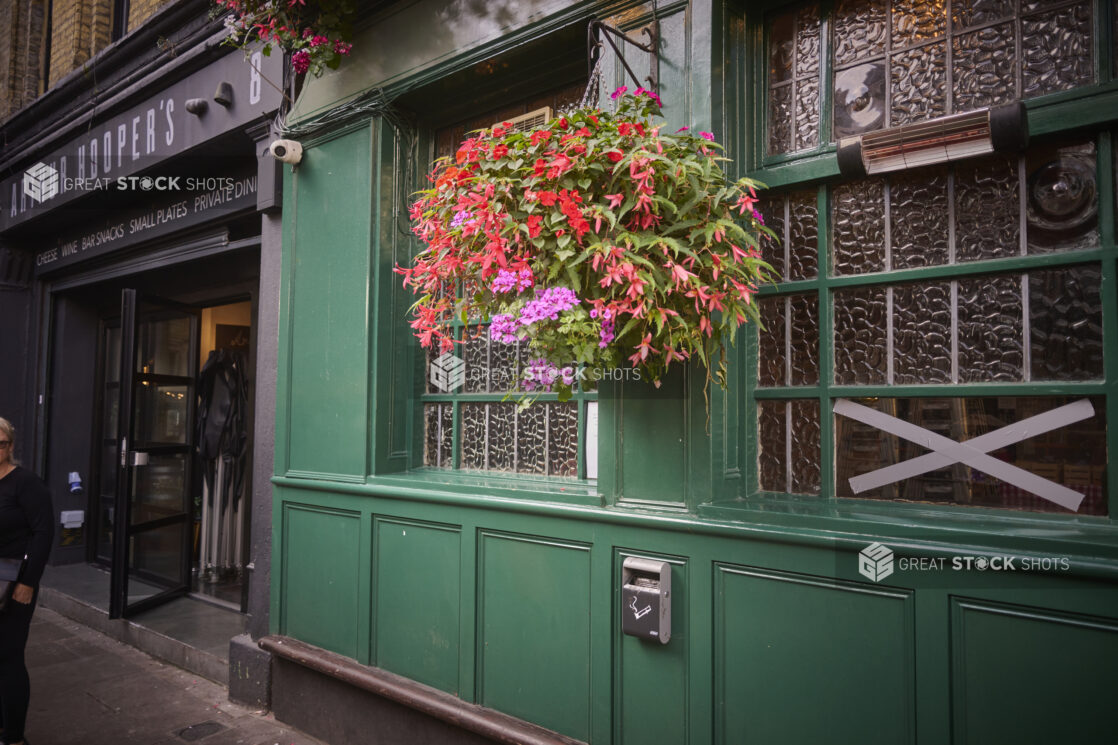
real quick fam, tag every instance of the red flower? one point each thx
(500, 151)
(614, 155)
(563, 122)
(535, 225)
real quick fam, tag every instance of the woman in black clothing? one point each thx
(26, 529)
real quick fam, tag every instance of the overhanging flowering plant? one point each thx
(597, 239)
(314, 32)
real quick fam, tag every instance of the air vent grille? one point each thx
(531, 120)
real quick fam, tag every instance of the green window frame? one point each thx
(806, 184)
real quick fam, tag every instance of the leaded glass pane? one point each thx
(805, 339)
(807, 114)
(473, 435)
(771, 362)
(917, 84)
(437, 435)
(501, 445)
(782, 33)
(915, 21)
(987, 209)
(1056, 49)
(858, 220)
(780, 119)
(475, 351)
(1072, 457)
(794, 64)
(859, 101)
(772, 249)
(803, 235)
(860, 336)
(859, 30)
(531, 440)
(805, 447)
(1061, 198)
(922, 333)
(984, 67)
(772, 451)
(807, 41)
(503, 366)
(1066, 324)
(562, 439)
(918, 219)
(967, 13)
(990, 324)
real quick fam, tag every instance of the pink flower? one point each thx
(318, 41)
(301, 61)
(340, 47)
(683, 129)
(619, 92)
(706, 135)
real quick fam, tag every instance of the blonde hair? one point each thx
(7, 428)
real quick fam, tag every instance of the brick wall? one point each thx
(140, 10)
(21, 53)
(79, 29)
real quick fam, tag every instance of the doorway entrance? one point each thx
(171, 502)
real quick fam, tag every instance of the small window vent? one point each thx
(531, 120)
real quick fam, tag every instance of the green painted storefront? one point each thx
(504, 590)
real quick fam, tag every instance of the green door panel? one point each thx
(652, 690)
(534, 630)
(799, 659)
(1023, 675)
(320, 574)
(327, 247)
(416, 579)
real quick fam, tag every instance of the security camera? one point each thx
(288, 151)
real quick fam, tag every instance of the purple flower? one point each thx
(758, 217)
(548, 304)
(502, 328)
(460, 219)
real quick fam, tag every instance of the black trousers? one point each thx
(15, 686)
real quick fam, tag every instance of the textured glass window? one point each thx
(969, 211)
(1072, 456)
(900, 61)
(788, 433)
(909, 306)
(794, 67)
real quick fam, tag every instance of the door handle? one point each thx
(139, 458)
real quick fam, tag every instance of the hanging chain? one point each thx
(594, 82)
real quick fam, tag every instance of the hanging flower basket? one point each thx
(314, 32)
(597, 239)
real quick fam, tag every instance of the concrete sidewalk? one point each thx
(87, 689)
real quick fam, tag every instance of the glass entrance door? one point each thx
(152, 529)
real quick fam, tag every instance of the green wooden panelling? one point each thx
(652, 689)
(417, 586)
(395, 382)
(1024, 675)
(534, 630)
(321, 589)
(800, 659)
(327, 351)
(654, 440)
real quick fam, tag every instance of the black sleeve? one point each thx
(35, 500)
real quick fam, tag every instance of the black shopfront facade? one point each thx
(140, 242)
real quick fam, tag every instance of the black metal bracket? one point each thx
(652, 31)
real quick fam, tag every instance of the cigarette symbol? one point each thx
(642, 612)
